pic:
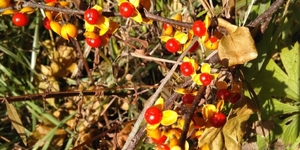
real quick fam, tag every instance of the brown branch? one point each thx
(40, 96)
(144, 13)
(267, 14)
(166, 20)
(189, 115)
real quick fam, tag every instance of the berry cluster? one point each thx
(164, 126)
(176, 40)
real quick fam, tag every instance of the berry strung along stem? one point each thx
(106, 14)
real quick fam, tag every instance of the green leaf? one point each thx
(290, 129)
(274, 107)
(273, 81)
(291, 63)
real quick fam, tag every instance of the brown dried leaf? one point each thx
(230, 136)
(16, 121)
(42, 130)
(238, 46)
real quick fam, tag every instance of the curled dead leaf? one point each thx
(237, 47)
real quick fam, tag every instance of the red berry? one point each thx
(161, 140)
(91, 16)
(194, 47)
(199, 28)
(126, 9)
(218, 120)
(162, 147)
(20, 19)
(48, 1)
(93, 42)
(213, 39)
(46, 23)
(188, 98)
(205, 78)
(223, 94)
(186, 68)
(166, 26)
(153, 115)
(172, 45)
(235, 98)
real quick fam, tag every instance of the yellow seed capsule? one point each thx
(69, 31)
(207, 21)
(4, 3)
(27, 10)
(55, 26)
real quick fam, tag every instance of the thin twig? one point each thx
(108, 91)
(267, 14)
(87, 69)
(153, 58)
(189, 115)
(166, 20)
(153, 98)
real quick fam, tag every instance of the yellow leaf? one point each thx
(137, 16)
(169, 117)
(16, 121)
(50, 4)
(181, 37)
(165, 38)
(135, 3)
